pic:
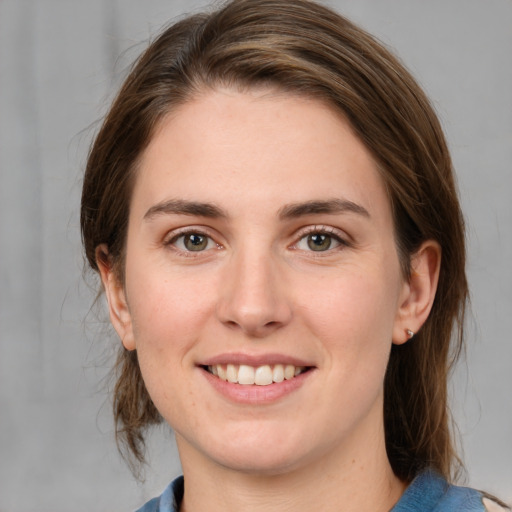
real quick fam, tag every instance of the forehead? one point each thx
(256, 146)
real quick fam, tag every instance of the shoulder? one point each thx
(168, 501)
(430, 492)
(492, 506)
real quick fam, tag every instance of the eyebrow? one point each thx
(184, 207)
(331, 206)
(290, 211)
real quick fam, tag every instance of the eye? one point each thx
(319, 241)
(192, 242)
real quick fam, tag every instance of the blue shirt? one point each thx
(429, 492)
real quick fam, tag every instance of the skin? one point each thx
(258, 159)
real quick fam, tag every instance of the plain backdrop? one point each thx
(60, 64)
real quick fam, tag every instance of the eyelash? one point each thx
(330, 232)
(175, 236)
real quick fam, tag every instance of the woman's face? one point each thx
(260, 248)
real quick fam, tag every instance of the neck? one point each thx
(360, 481)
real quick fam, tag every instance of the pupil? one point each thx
(195, 242)
(319, 242)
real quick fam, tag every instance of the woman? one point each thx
(271, 206)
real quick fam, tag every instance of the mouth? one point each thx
(262, 375)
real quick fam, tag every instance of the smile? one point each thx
(263, 375)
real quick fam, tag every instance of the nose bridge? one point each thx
(253, 296)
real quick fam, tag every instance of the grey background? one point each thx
(60, 63)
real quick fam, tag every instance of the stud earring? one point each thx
(410, 333)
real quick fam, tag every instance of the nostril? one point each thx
(256, 314)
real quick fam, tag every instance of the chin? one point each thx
(248, 451)
(265, 453)
(258, 462)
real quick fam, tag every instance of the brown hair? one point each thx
(303, 48)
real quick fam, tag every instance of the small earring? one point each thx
(409, 333)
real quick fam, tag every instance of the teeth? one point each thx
(245, 374)
(278, 373)
(289, 371)
(261, 375)
(232, 373)
(221, 371)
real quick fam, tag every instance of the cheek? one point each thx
(167, 310)
(168, 317)
(352, 317)
(353, 302)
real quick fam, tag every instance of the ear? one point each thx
(116, 298)
(418, 292)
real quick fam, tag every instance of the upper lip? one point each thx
(254, 359)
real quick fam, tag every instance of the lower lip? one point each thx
(253, 394)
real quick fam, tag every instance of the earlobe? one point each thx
(116, 298)
(419, 292)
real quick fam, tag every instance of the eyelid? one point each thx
(173, 235)
(170, 238)
(340, 236)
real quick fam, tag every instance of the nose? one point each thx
(252, 296)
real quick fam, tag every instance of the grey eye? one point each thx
(319, 241)
(195, 242)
